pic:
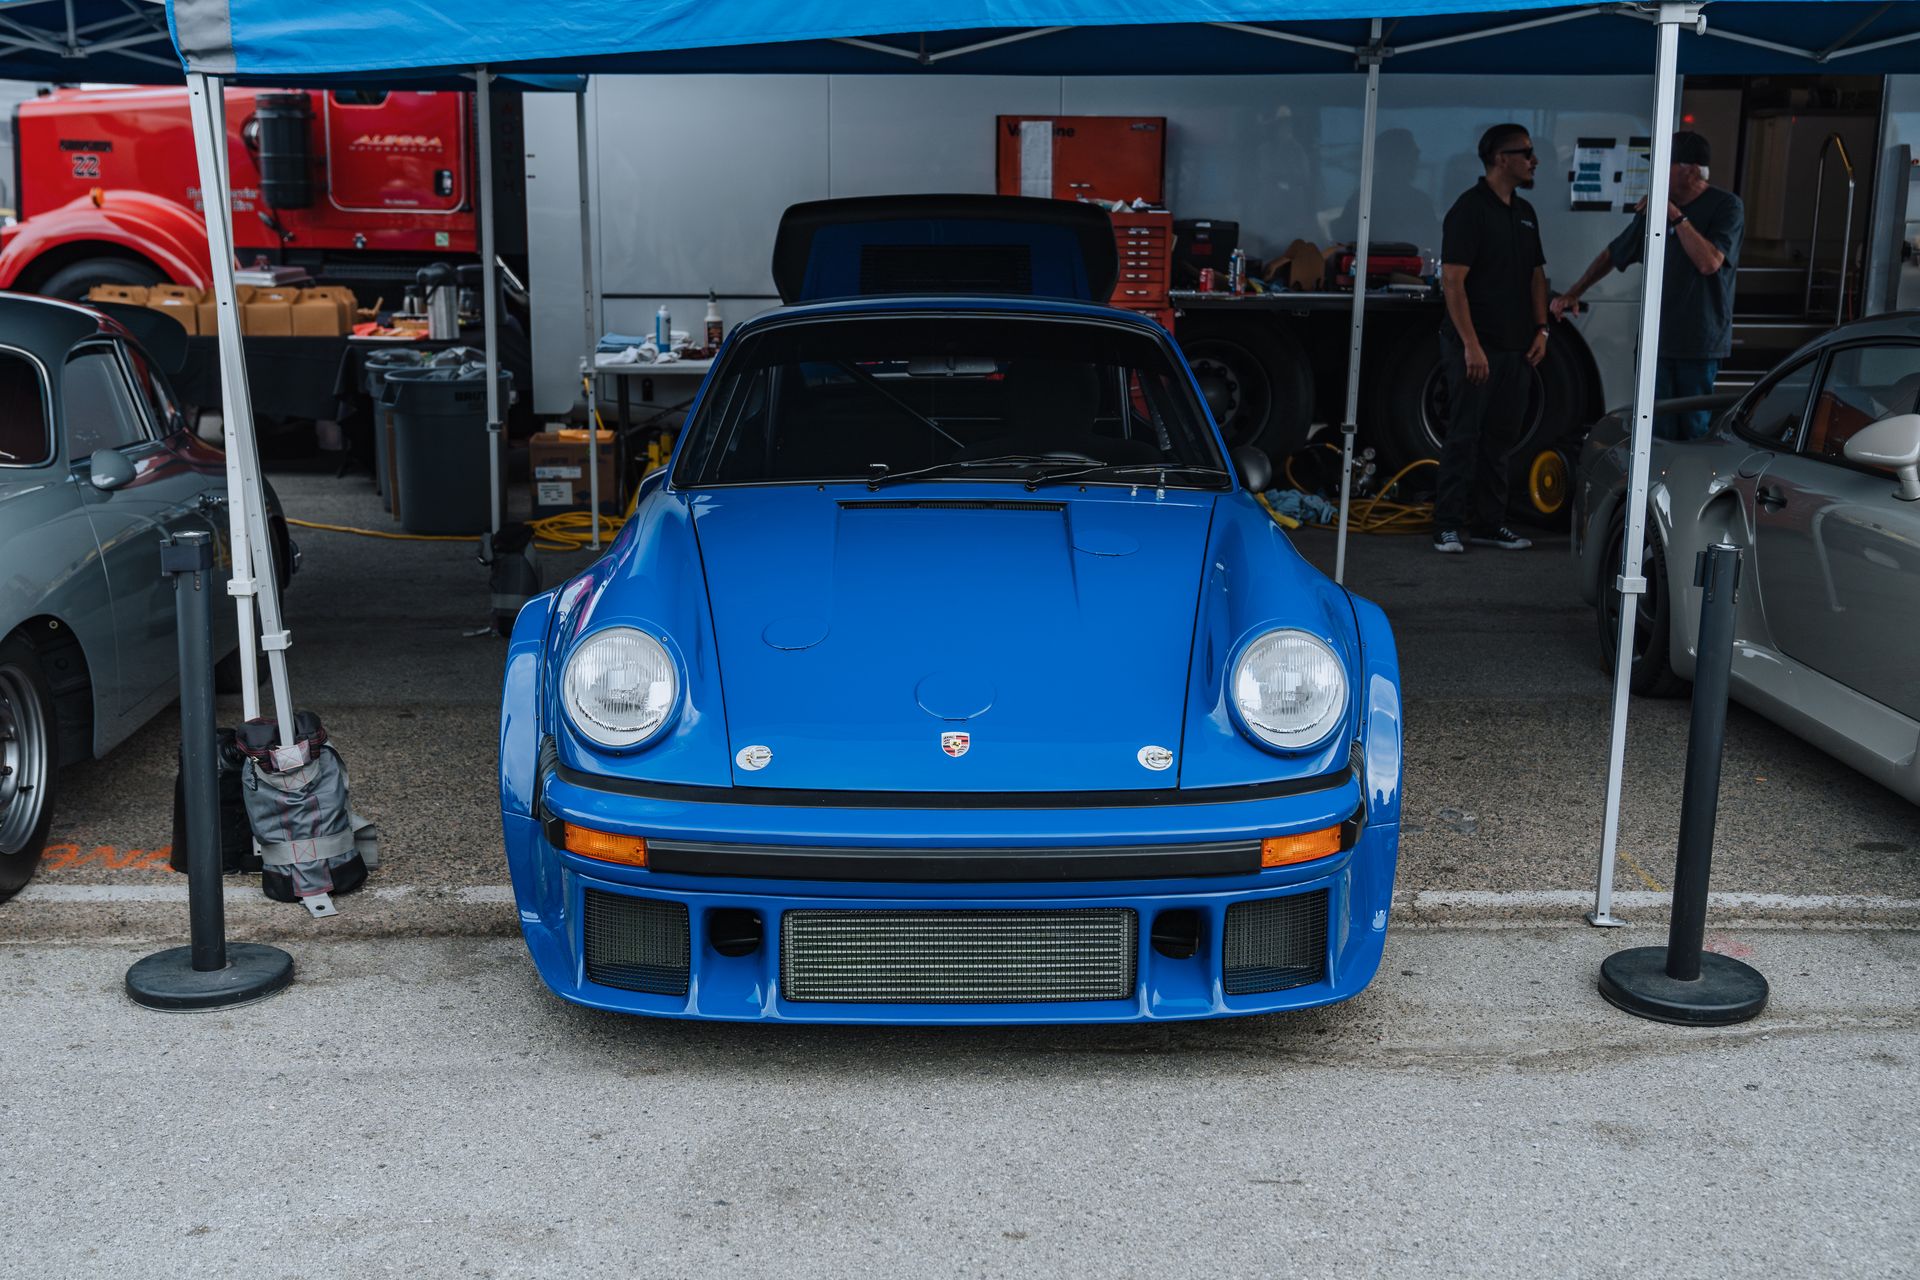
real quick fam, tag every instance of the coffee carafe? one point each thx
(439, 286)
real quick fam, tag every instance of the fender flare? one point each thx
(165, 232)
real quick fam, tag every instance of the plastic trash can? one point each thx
(440, 440)
(373, 378)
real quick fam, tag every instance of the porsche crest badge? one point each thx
(955, 744)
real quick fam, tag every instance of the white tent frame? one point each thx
(244, 488)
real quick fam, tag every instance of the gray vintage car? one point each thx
(96, 463)
(1813, 474)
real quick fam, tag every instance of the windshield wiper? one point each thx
(879, 388)
(882, 476)
(1161, 469)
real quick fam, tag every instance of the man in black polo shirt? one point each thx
(1493, 275)
(1696, 291)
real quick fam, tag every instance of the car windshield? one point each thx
(882, 399)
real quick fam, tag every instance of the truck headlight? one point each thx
(1290, 689)
(619, 687)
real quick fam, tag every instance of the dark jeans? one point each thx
(1484, 427)
(1674, 379)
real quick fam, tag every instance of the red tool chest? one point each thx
(1100, 158)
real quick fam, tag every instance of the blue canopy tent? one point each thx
(421, 41)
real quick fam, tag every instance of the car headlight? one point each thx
(1290, 689)
(619, 687)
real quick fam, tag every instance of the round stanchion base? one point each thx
(1725, 992)
(167, 980)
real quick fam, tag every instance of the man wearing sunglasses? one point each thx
(1493, 276)
(1706, 225)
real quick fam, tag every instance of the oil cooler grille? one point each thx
(958, 957)
(637, 944)
(1276, 943)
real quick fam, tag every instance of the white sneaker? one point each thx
(1447, 542)
(1502, 537)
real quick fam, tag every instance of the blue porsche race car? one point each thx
(951, 672)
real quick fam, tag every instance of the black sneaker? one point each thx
(1448, 542)
(1502, 537)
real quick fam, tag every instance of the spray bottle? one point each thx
(715, 326)
(663, 328)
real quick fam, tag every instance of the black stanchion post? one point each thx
(1680, 982)
(208, 974)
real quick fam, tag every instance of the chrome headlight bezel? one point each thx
(1274, 738)
(600, 731)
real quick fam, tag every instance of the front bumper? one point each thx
(1193, 896)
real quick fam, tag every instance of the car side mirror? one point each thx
(1893, 443)
(1254, 468)
(110, 470)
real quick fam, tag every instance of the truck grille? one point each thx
(958, 957)
(637, 944)
(1276, 943)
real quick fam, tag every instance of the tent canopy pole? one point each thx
(1630, 583)
(1349, 423)
(591, 316)
(253, 582)
(489, 284)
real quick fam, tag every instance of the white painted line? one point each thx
(479, 895)
(1577, 901)
(1572, 901)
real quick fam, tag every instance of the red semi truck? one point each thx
(360, 187)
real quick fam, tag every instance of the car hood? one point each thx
(953, 637)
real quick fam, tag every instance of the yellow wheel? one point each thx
(1547, 482)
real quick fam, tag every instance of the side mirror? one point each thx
(1254, 468)
(110, 469)
(1893, 443)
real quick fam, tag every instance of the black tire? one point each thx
(74, 280)
(1653, 675)
(30, 751)
(1256, 378)
(1404, 417)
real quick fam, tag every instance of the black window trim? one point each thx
(51, 436)
(1827, 357)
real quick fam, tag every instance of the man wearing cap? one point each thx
(1705, 224)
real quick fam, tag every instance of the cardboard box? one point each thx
(267, 318)
(132, 294)
(342, 299)
(316, 317)
(184, 311)
(557, 470)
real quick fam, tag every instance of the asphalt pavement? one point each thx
(418, 1104)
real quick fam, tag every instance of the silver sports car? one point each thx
(1813, 474)
(96, 463)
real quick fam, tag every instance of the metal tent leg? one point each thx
(1630, 582)
(592, 315)
(490, 285)
(253, 583)
(1362, 236)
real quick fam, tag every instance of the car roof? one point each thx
(1894, 324)
(49, 327)
(954, 304)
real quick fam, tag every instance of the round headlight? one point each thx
(620, 687)
(1290, 688)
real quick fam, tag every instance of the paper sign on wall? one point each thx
(1036, 158)
(1608, 176)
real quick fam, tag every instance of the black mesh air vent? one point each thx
(1276, 943)
(946, 268)
(953, 504)
(637, 944)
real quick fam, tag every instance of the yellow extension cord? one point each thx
(568, 531)
(1378, 514)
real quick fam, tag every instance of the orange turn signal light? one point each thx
(606, 846)
(1284, 851)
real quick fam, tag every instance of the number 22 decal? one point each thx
(86, 165)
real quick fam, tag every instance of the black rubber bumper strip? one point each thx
(949, 799)
(923, 866)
